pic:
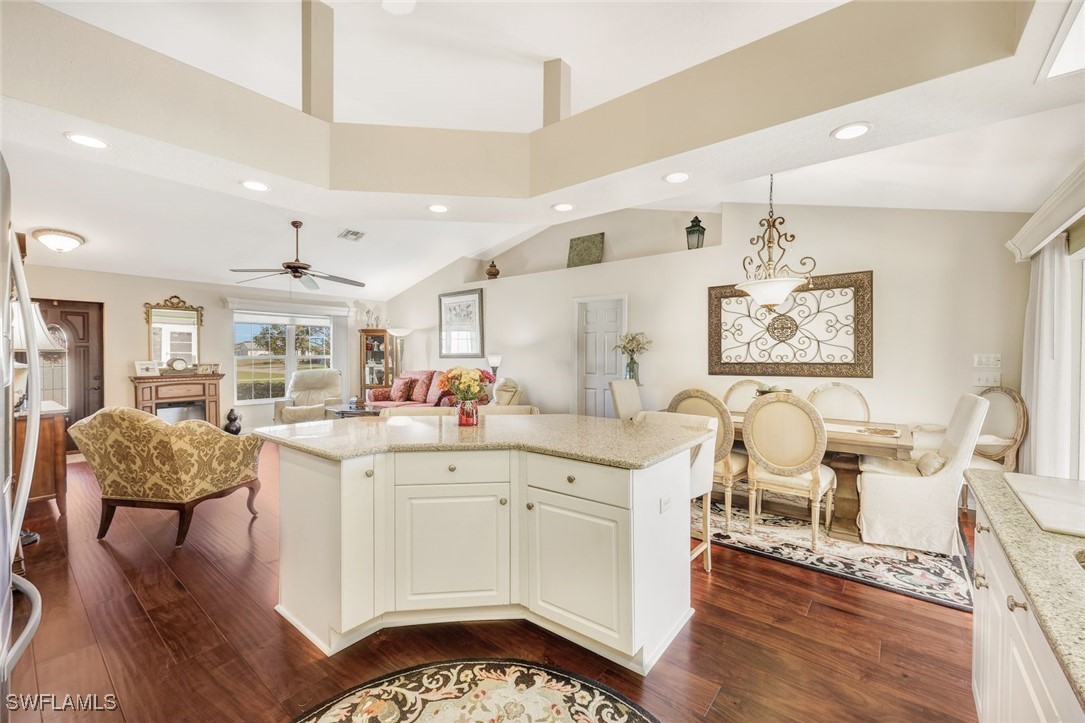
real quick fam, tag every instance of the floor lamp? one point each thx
(397, 334)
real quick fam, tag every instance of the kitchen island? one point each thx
(578, 524)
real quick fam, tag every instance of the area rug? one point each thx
(926, 576)
(487, 690)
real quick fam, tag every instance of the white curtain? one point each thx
(1045, 363)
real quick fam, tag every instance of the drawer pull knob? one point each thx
(369, 473)
(979, 580)
(504, 500)
(531, 505)
(1012, 604)
(570, 479)
(451, 468)
(982, 528)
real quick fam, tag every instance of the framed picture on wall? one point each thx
(459, 315)
(146, 369)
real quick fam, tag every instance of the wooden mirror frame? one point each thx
(172, 303)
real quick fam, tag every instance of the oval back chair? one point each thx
(1006, 421)
(741, 394)
(836, 400)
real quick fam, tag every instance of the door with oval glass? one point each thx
(74, 379)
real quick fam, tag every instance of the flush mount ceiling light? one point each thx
(768, 282)
(57, 240)
(438, 208)
(677, 177)
(255, 185)
(851, 130)
(85, 140)
(563, 207)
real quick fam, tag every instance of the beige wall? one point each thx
(945, 288)
(125, 332)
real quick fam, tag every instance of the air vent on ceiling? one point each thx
(351, 235)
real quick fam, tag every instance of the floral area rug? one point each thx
(470, 691)
(927, 576)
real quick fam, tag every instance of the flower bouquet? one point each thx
(632, 344)
(467, 385)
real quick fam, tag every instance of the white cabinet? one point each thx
(1015, 676)
(579, 565)
(452, 545)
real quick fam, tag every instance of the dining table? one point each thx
(848, 439)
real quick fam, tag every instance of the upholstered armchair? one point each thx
(913, 503)
(307, 394)
(141, 461)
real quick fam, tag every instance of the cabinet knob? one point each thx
(369, 473)
(979, 580)
(570, 479)
(1012, 604)
(451, 468)
(504, 500)
(982, 528)
(531, 505)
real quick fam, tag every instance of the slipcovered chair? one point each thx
(141, 461)
(1004, 429)
(913, 503)
(418, 411)
(307, 395)
(700, 475)
(488, 409)
(785, 438)
(625, 397)
(507, 392)
(836, 400)
(729, 464)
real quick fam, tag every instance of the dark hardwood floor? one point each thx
(189, 634)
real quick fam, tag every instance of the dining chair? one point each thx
(913, 503)
(413, 411)
(729, 464)
(837, 400)
(490, 409)
(739, 395)
(625, 396)
(785, 438)
(700, 474)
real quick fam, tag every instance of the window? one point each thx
(268, 348)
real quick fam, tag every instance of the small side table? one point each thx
(345, 410)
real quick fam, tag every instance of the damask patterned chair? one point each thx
(141, 461)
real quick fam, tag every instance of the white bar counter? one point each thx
(578, 524)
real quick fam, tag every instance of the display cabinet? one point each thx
(376, 346)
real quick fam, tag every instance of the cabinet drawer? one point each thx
(588, 481)
(424, 468)
(174, 391)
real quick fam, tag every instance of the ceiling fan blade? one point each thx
(257, 271)
(309, 282)
(257, 278)
(337, 279)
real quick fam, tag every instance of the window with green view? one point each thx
(268, 348)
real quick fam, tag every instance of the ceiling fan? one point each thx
(298, 269)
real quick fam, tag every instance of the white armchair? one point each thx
(913, 504)
(307, 394)
(506, 392)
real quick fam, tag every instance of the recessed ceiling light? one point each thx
(57, 240)
(85, 140)
(851, 130)
(254, 185)
(677, 177)
(563, 207)
(438, 208)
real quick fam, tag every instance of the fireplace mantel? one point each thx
(173, 388)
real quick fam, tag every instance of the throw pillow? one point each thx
(380, 394)
(423, 381)
(930, 463)
(401, 389)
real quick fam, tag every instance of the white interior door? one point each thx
(599, 323)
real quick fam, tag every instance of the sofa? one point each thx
(421, 389)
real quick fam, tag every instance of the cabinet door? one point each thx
(579, 566)
(452, 546)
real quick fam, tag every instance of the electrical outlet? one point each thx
(664, 504)
(987, 379)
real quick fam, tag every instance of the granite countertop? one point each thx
(611, 442)
(1046, 564)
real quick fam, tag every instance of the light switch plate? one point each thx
(987, 379)
(987, 361)
(664, 504)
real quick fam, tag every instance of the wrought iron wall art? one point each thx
(824, 329)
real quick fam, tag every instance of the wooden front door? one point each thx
(81, 322)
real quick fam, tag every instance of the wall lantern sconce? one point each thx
(695, 234)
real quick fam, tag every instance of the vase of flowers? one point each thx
(633, 344)
(467, 385)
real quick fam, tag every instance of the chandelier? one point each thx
(768, 281)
